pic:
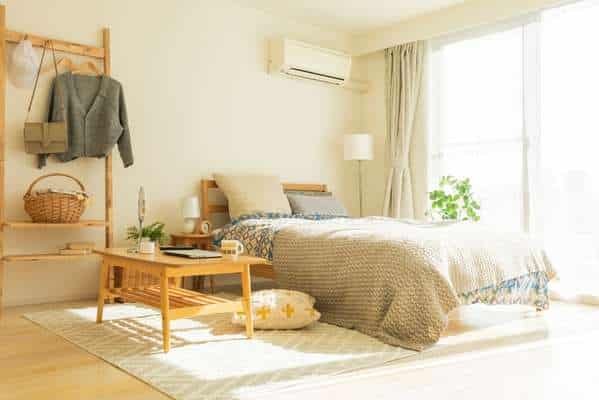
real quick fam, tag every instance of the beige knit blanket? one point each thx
(397, 281)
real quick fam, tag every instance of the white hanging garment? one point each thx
(23, 65)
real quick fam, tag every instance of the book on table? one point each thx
(74, 252)
(80, 245)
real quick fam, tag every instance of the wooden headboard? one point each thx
(209, 208)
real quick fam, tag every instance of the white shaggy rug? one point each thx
(212, 359)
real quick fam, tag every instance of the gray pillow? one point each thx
(309, 204)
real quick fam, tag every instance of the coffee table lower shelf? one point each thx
(182, 302)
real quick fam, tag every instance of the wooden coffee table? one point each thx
(150, 279)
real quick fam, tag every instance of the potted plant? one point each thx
(454, 201)
(153, 233)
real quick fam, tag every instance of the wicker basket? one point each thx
(54, 207)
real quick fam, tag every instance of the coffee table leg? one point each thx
(104, 271)
(246, 286)
(164, 309)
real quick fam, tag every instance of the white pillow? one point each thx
(280, 309)
(252, 194)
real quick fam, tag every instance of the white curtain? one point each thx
(406, 106)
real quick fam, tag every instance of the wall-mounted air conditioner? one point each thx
(301, 60)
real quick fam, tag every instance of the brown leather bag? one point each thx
(45, 137)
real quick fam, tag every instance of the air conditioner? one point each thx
(302, 60)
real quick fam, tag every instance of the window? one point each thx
(516, 111)
(478, 125)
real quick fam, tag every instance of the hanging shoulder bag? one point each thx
(45, 137)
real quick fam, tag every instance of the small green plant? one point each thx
(154, 232)
(454, 200)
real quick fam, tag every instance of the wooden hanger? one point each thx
(85, 68)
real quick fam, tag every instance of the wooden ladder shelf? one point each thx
(101, 53)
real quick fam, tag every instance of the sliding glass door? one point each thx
(568, 218)
(517, 110)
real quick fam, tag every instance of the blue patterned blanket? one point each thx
(257, 231)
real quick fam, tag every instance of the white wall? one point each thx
(199, 101)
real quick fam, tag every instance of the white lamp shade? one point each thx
(358, 146)
(190, 207)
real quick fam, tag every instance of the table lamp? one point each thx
(190, 210)
(358, 147)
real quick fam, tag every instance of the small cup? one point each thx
(205, 227)
(231, 247)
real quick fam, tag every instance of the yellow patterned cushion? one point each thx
(280, 309)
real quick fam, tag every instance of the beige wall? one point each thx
(372, 69)
(199, 101)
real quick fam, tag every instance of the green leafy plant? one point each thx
(154, 232)
(454, 200)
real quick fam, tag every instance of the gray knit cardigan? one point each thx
(96, 115)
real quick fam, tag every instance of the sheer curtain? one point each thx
(568, 192)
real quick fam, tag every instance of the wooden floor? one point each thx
(36, 364)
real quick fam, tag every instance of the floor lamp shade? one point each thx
(358, 146)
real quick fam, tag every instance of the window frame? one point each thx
(530, 126)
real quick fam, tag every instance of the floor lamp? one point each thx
(358, 147)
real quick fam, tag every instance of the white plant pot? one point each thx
(147, 247)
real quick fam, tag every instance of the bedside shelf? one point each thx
(45, 257)
(92, 223)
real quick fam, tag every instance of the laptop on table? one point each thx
(193, 253)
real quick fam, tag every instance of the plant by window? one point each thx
(454, 200)
(154, 232)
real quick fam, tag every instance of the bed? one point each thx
(215, 209)
(393, 280)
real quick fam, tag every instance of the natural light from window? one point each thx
(517, 110)
(480, 121)
(567, 217)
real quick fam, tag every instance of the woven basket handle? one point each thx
(55, 174)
